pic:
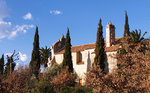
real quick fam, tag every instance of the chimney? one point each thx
(110, 34)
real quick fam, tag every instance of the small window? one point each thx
(79, 58)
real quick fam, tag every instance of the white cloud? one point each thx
(28, 16)
(4, 26)
(18, 65)
(7, 30)
(55, 12)
(18, 28)
(23, 57)
(7, 54)
(4, 29)
(5, 23)
(3, 9)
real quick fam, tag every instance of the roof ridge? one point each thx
(91, 46)
(94, 43)
(83, 45)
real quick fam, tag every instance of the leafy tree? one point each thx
(45, 54)
(52, 71)
(126, 26)
(2, 65)
(35, 59)
(10, 65)
(67, 61)
(136, 36)
(99, 50)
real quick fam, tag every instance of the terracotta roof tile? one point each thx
(91, 46)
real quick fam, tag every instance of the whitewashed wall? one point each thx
(112, 61)
(88, 59)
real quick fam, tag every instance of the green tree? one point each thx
(35, 59)
(52, 71)
(2, 65)
(99, 50)
(126, 26)
(10, 65)
(136, 36)
(45, 54)
(67, 61)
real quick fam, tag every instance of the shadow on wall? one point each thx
(106, 64)
(88, 62)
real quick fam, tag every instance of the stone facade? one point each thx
(87, 53)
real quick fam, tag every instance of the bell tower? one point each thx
(110, 35)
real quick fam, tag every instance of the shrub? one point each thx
(45, 87)
(31, 85)
(65, 90)
(131, 76)
(16, 81)
(88, 90)
(63, 79)
(78, 90)
(95, 79)
(50, 72)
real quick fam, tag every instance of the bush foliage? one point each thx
(132, 74)
(64, 79)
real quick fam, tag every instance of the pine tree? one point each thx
(99, 50)
(2, 65)
(67, 61)
(35, 59)
(126, 26)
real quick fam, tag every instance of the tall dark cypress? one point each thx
(67, 61)
(2, 65)
(126, 26)
(35, 59)
(99, 50)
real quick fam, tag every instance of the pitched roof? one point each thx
(93, 45)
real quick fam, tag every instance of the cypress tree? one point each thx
(35, 59)
(126, 26)
(2, 65)
(67, 61)
(99, 50)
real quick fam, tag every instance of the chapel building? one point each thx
(83, 55)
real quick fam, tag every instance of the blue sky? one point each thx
(18, 19)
